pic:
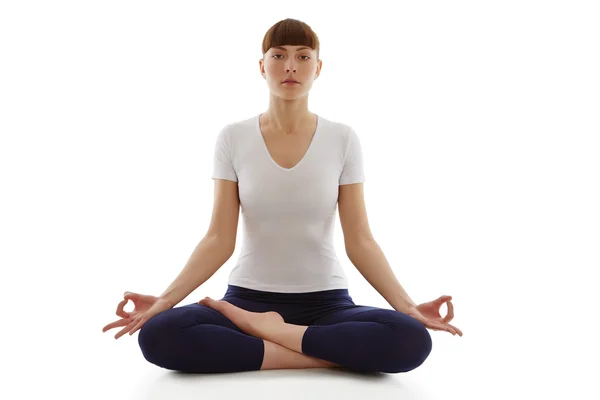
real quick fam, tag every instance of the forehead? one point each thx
(298, 48)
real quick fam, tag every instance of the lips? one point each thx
(290, 81)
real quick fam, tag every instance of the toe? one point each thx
(205, 301)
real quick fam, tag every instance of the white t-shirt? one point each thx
(288, 215)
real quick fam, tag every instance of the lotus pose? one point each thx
(287, 304)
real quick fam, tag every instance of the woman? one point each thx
(287, 304)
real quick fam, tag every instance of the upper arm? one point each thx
(226, 204)
(353, 214)
(225, 213)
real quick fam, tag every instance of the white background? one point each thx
(479, 123)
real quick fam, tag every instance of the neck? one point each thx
(287, 117)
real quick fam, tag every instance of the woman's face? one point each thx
(296, 62)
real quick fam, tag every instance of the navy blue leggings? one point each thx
(198, 339)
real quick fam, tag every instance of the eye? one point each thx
(300, 56)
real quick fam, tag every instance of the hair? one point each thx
(290, 32)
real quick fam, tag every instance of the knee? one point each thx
(155, 338)
(410, 350)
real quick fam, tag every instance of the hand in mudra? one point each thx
(146, 307)
(429, 314)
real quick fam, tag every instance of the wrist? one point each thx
(167, 301)
(405, 305)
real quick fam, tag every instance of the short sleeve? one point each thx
(353, 171)
(223, 157)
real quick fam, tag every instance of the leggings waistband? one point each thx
(259, 295)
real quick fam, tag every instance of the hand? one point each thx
(429, 314)
(145, 308)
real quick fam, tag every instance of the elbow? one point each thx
(355, 247)
(228, 248)
(224, 244)
(230, 251)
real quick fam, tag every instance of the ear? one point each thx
(261, 68)
(319, 66)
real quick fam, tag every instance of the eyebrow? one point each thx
(284, 49)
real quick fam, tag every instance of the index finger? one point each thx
(450, 314)
(120, 312)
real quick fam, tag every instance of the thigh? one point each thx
(368, 338)
(195, 314)
(392, 318)
(190, 315)
(197, 338)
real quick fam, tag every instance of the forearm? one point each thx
(369, 260)
(208, 256)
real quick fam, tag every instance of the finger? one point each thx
(457, 330)
(126, 329)
(138, 326)
(441, 327)
(450, 329)
(116, 324)
(120, 312)
(443, 299)
(447, 329)
(450, 314)
(131, 296)
(433, 325)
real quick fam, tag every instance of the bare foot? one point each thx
(252, 323)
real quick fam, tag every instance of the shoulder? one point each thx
(337, 130)
(346, 136)
(232, 128)
(332, 125)
(232, 132)
(342, 129)
(246, 123)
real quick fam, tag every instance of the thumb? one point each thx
(130, 295)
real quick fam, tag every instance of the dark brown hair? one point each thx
(290, 32)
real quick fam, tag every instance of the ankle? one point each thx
(279, 357)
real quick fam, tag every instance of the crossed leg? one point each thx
(277, 356)
(372, 340)
(197, 339)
